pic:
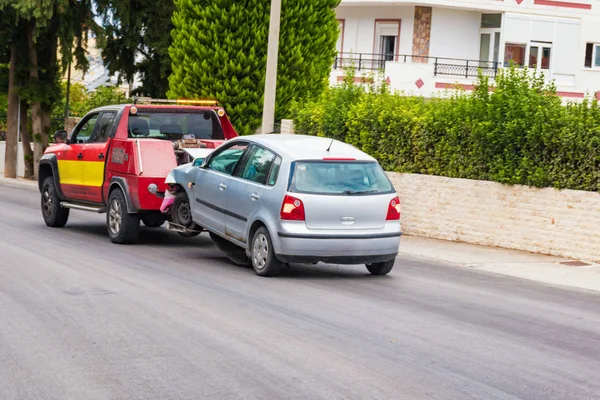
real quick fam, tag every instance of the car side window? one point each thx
(257, 165)
(84, 132)
(227, 159)
(104, 127)
(274, 172)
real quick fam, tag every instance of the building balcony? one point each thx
(365, 62)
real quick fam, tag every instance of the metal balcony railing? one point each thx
(441, 66)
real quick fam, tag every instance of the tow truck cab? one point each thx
(130, 149)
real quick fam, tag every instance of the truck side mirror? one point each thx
(60, 136)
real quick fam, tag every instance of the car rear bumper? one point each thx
(350, 260)
(299, 246)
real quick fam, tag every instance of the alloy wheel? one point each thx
(47, 202)
(114, 217)
(260, 251)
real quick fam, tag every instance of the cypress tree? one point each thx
(219, 50)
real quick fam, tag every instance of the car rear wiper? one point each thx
(359, 191)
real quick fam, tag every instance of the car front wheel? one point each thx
(263, 257)
(381, 268)
(54, 214)
(123, 228)
(181, 214)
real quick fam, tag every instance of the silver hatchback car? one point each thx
(275, 199)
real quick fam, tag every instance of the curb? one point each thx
(19, 182)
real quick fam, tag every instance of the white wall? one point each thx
(20, 162)
(558, 222)
(359, 30)
(455, 34)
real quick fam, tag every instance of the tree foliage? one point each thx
(137, 40)
(219, 51)
(518, 133)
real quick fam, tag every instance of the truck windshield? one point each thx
(175, 125)
(339, 178)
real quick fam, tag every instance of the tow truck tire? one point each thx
(122, 227)
(54, 215)
(181, 214)
(381, 268)
(153, 219)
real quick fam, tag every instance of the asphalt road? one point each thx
(170, 318)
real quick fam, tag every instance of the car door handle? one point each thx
(80, 156)
(100, 156)
(222, 186)
(254, 196)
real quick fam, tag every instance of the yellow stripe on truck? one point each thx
(93, 173)
(81, 173)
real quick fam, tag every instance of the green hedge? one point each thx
(517, 133)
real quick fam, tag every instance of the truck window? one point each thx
(175, 125)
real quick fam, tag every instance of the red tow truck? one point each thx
(117, 157)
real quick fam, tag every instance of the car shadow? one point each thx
(293, 271)
(147, 237)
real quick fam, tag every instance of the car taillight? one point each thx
(292, 209)
(393, 213)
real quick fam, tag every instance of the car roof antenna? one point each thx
(330, 145)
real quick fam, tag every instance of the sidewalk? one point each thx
(520, 264)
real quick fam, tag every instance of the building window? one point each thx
(592, 55)
(491, 20)
(539, 56)
(536, 55)
(387, 33)
(515, 53)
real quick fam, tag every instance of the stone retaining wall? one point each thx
(564, 223)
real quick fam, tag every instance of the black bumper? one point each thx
(348, 260)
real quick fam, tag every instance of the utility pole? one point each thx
(268, 118)
(68, 96)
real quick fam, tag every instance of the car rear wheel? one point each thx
(263, 257)
(381, 268)
(54, 214)
(181, 214)
(123, 228)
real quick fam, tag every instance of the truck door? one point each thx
(71, 163)
(96, 154)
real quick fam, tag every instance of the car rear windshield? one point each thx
(339, 178)
(175, 125)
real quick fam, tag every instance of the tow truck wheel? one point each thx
(123, 228)
(181, 213)
(153, 219)
(54, 215)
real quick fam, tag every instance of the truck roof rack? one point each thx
(197, 102)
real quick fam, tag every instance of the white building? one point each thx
(427, 46)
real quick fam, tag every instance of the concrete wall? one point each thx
(359, 27)
(564, 223)
(20, 162)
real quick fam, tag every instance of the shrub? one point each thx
(219, 50)
(519, 132)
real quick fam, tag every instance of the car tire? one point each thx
(236, 254)
(122, 227)
(262, 255)
(381, 268)
(54, 214)
(181, 214)
(153, 219)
